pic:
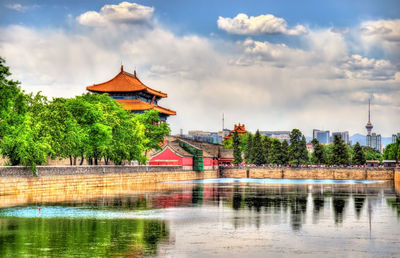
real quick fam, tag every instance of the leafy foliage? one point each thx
(249, 146)
(340, 155)
(371, 153)
(319, 154)
(91, 126)
(359, 155)
(257, 151)
(298, 153)
(392, 151)
(237, 153)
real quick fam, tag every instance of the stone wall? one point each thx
(310, 173)
(21, 171)
(79, 182)
(397, 181)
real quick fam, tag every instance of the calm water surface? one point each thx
(214, 218)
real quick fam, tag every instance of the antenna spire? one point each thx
(223, 121)
(369, 110)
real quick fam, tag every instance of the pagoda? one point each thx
(132, 94)
(240, 129)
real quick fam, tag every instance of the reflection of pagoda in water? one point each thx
(132, 94)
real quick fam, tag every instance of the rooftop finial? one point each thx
(122, 68)
(134, 72)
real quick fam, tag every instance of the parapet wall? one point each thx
(21, 171)
(78, 183)
(310, 173)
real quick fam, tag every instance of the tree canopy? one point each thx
(90, 126)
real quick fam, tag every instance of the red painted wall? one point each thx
(187, 161)
(208, 162)
(167, 157)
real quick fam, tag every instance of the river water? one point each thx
(213, 218)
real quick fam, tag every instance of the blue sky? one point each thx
(273, 65)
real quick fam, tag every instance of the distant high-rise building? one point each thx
(321, 136)
(344, 135)
(374, 141)
(280, 135)
(369, 125)
(394, 137)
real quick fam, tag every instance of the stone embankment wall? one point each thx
(64, 183)
(397, 181)
(310, 173)
(14, 180)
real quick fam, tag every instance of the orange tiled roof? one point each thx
(237, 128)
(124, 82)
(137, 104)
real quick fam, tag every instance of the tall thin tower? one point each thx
(223, 122)
(369, 125)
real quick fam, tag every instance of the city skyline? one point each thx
(273, 66)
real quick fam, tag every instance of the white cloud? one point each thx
(384, 35)
(257, 25)
(388, 30)
(19, 7)
(359, 67)
(124, 12)
(280, 87)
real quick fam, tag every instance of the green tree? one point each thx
(237, 154)
(247, 154)
(275, 155)
(359, 156)
(340, 155)
(392, 151)
(319, 153)
(298, 153)
(257, 152)
(155, 130)
(371, 153)
(22, 139)
(285, 152)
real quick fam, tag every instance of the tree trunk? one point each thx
(70, 160)
(82, 159)
(74, 161)
(95, 161)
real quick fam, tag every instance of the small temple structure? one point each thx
(240, 129)
(132, 94)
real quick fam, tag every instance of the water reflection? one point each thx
(243, 206)
(80, 237)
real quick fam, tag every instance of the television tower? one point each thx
(369, 125)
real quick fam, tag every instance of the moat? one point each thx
(214, 218)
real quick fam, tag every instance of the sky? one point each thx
(271, 65)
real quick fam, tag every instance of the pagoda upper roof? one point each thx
(137, 104)
(124, 82)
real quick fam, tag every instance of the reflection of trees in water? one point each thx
(339, 204)
(298, 208)
(359, 201)
(275, 200)
(318, 205)
(80, 237)
(237, 198)
(394, 203)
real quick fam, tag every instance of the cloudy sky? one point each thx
(274, 65)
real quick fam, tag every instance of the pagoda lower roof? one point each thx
(124, 82)
(139, 105)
